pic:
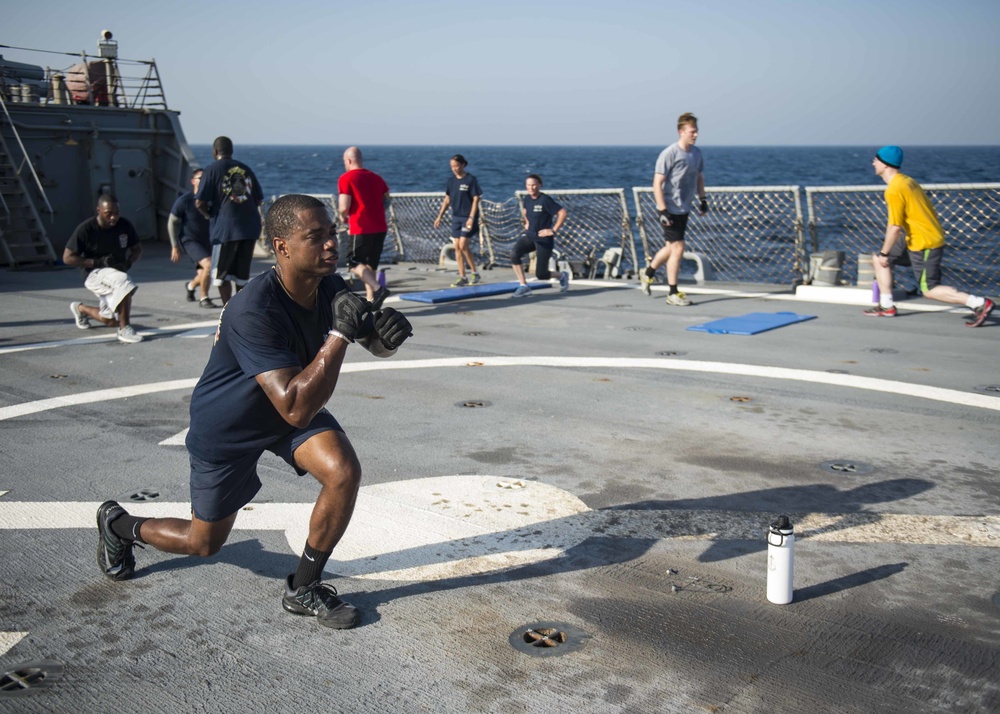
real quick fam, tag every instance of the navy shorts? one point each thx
(458, 227)
(926, 264)
(677, 228)
(196, 250)
(220, 490)
(366, 249)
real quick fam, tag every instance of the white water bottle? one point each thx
(780, 561)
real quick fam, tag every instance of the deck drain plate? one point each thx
(29, 677)
(846, 466)
(882, 350)
(474, 403)
(142, 495)
(637, 328)
(670, 353)
(993, 389)
(475, 333)
(548, 639)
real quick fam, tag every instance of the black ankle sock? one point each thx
(673, 289)
(127, 527)
(650, 272)
(310, 567)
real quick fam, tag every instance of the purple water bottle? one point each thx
(381, 278)
(875, 292)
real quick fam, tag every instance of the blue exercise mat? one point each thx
(751, 323)
(470, 291)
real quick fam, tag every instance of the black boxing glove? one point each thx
(349, 313)
(392, 328)
(664, 217)
(703, 206)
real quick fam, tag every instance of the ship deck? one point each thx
(581, 461)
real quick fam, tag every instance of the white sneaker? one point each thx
(128, 335)
(679, 299)
(82, 321)
(645, 282)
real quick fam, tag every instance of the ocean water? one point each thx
(501, 170)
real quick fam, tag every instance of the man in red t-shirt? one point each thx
(363, 199)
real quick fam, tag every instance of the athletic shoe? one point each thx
(563, 281)
(379, 297)
(82, 321)
(461, 282)
(475, 279)
(321, 602)
(189, 291)
(522, 291)
(980, 314)
(879, 311)
(645, 282)
(128, 335)
(207, 303)
(679, 299)
(114, 555)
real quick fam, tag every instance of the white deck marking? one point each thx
(109, 335)
(449, 526)
(887, 386)
(9, 639)
(175, 440)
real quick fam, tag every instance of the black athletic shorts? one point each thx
(677, 228)
(196, 250)
(926, 264)
(366, 249)
(219, 490)
(231, 261)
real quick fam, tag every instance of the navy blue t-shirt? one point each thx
(89, 240)
(232, 193)
(541, 213)
(261, 329)
(460, 193)
(194, 226)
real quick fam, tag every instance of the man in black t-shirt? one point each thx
(275, 363)
(188, 230)
(105, 248)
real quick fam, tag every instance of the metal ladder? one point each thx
(23, 239)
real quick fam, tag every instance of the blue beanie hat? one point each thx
(890, 156)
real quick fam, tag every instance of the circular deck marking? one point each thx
(885, 386)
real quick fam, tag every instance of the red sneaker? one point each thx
(980, 314)
(879, 311)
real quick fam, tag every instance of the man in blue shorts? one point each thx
(542, 218)
(677, 177)
(188, 229)
(230, 197)
(274, 366)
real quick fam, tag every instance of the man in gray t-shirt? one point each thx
(677, 179)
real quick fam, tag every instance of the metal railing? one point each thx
(25, 161)
(853, 219)
(750, 234)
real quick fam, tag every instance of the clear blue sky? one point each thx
(767, 72)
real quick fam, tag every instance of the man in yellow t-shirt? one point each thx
(912, 215)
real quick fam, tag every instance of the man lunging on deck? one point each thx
(275, 364)
(912, 215)
(677, 177)
(542, 218)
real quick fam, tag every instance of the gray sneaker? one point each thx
(645, 282)
(82, 321)
(563, 281)
(522, 291)
(679, 299)
(321, 602)
(128, 335)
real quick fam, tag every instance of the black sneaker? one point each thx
(320, 601)
(189, 291)
(379, 297)
(114, 555)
